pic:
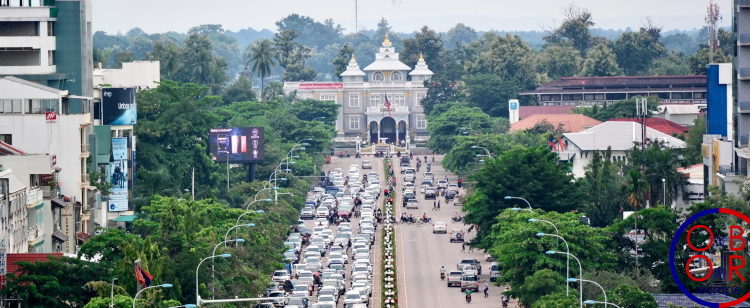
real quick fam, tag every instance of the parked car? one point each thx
(439, 227)
(494, 271)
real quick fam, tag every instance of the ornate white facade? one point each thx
(364, 112)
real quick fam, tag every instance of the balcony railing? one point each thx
(34, 196)
(84, 147)
(85, 178)
(393, 109)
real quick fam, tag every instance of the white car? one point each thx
(353, 297)
(280, 276)
(321, 212)
(439, 227)
(366, 164)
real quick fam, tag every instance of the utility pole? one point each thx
(192, 188)
(356, 16)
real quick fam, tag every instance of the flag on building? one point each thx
(551, 142)
(561, 143)
(387, 104)
(142, 276)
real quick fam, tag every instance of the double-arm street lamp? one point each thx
(135, 299)
(580, 273)
(197, 289)
(597, 284)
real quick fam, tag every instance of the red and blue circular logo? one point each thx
(734, 262)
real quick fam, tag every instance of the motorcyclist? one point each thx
(468, 295)
(424, 217)
(442, 272)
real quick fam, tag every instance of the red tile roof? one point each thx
(571, 123)
(13, 258)
(663, 125)
(527, 111)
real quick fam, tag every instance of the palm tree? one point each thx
(261, 56)
(636, 189)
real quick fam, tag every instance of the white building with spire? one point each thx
(378, 104)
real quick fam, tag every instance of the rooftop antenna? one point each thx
(356, 16)
(712, 17)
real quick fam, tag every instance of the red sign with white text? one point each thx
(50, 116)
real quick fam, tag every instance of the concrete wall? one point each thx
(25, 165)
(139, 74)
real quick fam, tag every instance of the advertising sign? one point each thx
(699, 256)
(118, 106)
(321, 86)
(236, 145)
(117, 173)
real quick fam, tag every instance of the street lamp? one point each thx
(166, 285)
(591, 302)
(594, 282)
(235, 227)
(251, 212)
(521, 209)
(213, 263)
(197, 294)
(511, 197)
(257, 200)
(112, 294)
(483, 148)
(567, 249)
(580, 273)
(664, 190)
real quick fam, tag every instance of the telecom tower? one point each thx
(712, 17)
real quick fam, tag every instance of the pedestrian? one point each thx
(460, 183)
(434, 205)
(438, 206)
(463, 246)
(486, 288)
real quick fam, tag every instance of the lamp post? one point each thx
(112, 294)
(597, 284)
(213, 264)
(521, 209)
(197, 292)
(527, 201)
(226, 236)
(664, 190)
(567, 261)
(591, 302)
(247, 208)
(483, 148)
(580, 273)
(250, 212)
(166, 285)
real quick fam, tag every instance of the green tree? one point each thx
(461, 158)
(627, 296)
(621, 109)
(636, 51)
(454, 122)
(168, 55)
(556, 300)
(426, 42)
(561, 61)
(285, 47)
(342, 60)
(535, 174)
(575, 29)
(602, 185)
(121, 301)
(541, 283)
(600, 61)
(200, 65)
(239, 91)
(656, 162)
(508, 57)
(261, 55)
(122, 57)
(694, 140)
(207, 29)
(440, 91)
(699, 60)
(490, 93)
(273, 91)
(460, 34)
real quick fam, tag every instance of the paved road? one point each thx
(421, 253)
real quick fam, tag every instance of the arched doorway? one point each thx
(401, 131)
(388, 129)
(374, 132)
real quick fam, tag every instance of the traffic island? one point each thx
(389, 287)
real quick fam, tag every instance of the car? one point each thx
(366, 164)
(407, 186)
(470, 282)
(307, 213)
(321, 212)
(278, 302)
(494, 271)
(324, 305)
(430, 193)
(404, 161)
(489, 258)
(412, 204)
(280, 276)
(442, 184)
(409, 194)
(453, 187)
(298, 302)
(329, 290)
(326, 298)
(474, 262)
(469, 269)
(450, 194)
(457, 236)
(439, 227)
(353, 297)
(410, 178)
(264, 305)
(454, 278)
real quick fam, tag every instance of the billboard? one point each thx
(236, 145)
(117, 173)
(118, 106)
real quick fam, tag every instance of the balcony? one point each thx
(743, 73)
(34, 197)
(381, 110)
(85, 180)
(744, 107)
(36, 11)
(84, 147)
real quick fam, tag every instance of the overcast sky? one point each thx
(404, 15)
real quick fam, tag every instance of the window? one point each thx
(41, 106)
(50, 57)
(699, 95)
(397, 100)
(328, 97)
(7, 138)
(376, 100)
(682, 95)
(420, 97)
(571, 97)
(10, 106)
(615, 96)
(353, 122)
(421, 121)
(377, 76)
(50, 28)
(354, 100)
(396, 76)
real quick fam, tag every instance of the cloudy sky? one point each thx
(404, 15)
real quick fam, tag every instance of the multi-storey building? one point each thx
(13, 220)
(384, 108)
(742, 86)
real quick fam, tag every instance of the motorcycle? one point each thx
(457, 218)
(442, 276)
(468, 298)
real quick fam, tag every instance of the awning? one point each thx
(59, 236)
(125, 218)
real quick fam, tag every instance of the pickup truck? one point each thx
(454, 278)
(470, 282)
(475, 262)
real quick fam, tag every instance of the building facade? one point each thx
(590, 91)
(13, 220)
(742, 86)
(378, 104)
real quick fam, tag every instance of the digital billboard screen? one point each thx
(118, 106)
(237, 144)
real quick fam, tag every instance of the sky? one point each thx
(115, 16)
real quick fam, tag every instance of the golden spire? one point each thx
(353, 59)
(386, 41)
(421, 57)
